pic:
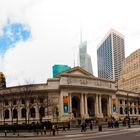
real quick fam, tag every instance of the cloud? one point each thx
(11, 34)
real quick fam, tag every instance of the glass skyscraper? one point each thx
(59, 68)
(110, 55)
(84, 58)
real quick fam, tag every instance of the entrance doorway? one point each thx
(104, 106)
(76, 106)
(91, 106)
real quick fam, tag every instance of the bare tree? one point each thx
(26, 92)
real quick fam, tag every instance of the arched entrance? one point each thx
(104, 106)
(121, 110)
(76, 106)
(91, 106)
(6, 114)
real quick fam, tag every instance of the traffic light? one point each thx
(126, 110)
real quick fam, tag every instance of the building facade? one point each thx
(84, 58)
(130, 74)
(73, 95)
(110, 55)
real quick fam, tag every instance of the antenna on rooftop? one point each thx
(80, 34)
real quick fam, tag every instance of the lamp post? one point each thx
(57, 115)
(128, 113)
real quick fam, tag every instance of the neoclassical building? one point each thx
(74, 94)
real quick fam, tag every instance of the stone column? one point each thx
(86, 108)
(123, 103)
(27, 111)
(82, 105)
(37, 112)
(96, 105)
(19, 114)
(133, 112)
(1, 115)
(100, 104)
(61, 104)
(10, 112)
(109, 106)
(70, 103)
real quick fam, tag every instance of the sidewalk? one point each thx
(73, 131)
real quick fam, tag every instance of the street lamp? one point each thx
(128, 113)
(57, 115)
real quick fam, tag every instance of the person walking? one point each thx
(44, 130)
(68, 125)
(53, 129)
(91, 126)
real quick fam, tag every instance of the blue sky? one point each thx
(12, 33)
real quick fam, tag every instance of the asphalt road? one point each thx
(129, 134)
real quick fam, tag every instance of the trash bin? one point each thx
(100, 128)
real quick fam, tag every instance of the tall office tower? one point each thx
(130, 74)
(84, 58)
(110, 55)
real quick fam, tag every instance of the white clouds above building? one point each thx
(55, 28)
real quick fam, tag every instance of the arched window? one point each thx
(121, 110)
(32, 100)
(32, 111)
(23, 113)
(23, 101)
(6, 114)
(42, 112)
(130, 110)
(15, 113)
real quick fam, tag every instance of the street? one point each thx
(129, 134)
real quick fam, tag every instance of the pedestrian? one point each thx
(83, 127)
(5, 132)
(64, 128)
(53, 129)
(91, 126)
(45, 130)
(68, 125)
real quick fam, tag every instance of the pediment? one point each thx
(76, 71)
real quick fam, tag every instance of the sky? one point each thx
(36, 34)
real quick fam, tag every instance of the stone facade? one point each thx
(75, 94)
(130, 74)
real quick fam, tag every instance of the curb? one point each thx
(76, 133)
